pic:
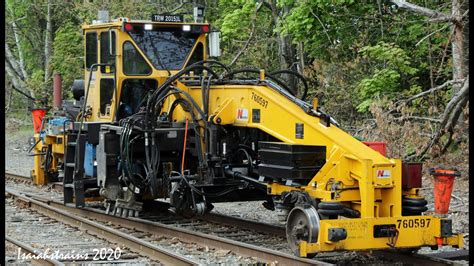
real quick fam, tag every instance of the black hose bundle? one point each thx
(151, 113)
(130, 174)
(257, 71)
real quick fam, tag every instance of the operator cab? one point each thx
(127, 59)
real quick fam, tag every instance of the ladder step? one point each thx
(70, 165)
(68, 185)
(73, 143)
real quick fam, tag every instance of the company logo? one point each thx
(384, 174)
(242, 114)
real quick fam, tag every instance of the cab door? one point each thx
(107, 76)
(91, 57)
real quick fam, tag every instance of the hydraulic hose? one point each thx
(257, 71)
(227, 69)
(299, 76)
(228, 171)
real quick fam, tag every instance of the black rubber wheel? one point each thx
(325, 205)
(414, 202)
(413, 209)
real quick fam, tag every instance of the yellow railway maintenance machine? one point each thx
(155, 118)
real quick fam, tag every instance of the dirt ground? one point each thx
(18, 161)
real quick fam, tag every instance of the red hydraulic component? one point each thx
(411, 175)
(443, 186)
(381, 147)
(57, 90)
(38, 115)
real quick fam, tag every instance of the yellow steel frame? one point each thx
(360, 234)
(366, 180)
(349, 162)
(93, 102)
(161, 76)
(57, 146)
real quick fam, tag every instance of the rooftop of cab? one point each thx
(119, 21)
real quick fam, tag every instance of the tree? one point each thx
(460, 96)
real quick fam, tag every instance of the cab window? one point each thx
(91, 49)
(106, 93)
(198, 54)
(134, 96)
(133, 62)
(105, 54)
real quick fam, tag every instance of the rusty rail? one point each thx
(267, 255)
(240, 248)
(115, 236)
(30, 250)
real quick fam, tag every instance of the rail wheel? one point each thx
(302, 225)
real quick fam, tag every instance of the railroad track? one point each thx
(18, 178)
(33, 251)
(135, 244)
(153, 228)
(166, 225)
(58, 186)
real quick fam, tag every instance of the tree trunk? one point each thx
(21, 60)
(286, 50)
(9, 94)
(12, 69)
(457, 44)
(47, 46)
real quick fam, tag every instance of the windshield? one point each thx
(165, 48)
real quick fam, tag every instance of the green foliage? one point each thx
(390, 63)
(68, 55)
(236, 20)
(327, 28)
(355, 52)
(36, 83)
(391, 55)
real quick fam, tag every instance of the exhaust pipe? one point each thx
(57, 92)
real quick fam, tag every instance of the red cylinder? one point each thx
(38, 115)
(443, 187)
(57, 92)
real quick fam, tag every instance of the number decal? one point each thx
(260, 100)
(413, 223)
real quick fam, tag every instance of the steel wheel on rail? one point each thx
(302, 225)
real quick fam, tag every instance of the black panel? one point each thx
(384, 230)
(93, 132)
(255, 115)
(299, 131)
(281, 160)
(446, 228)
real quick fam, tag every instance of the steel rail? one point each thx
(434, 259)
(265, 254)
(230, 220)
(28, 249)
(242, 223)
(28, 180)
(416, 259)
(18, 178)
(135, 244)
